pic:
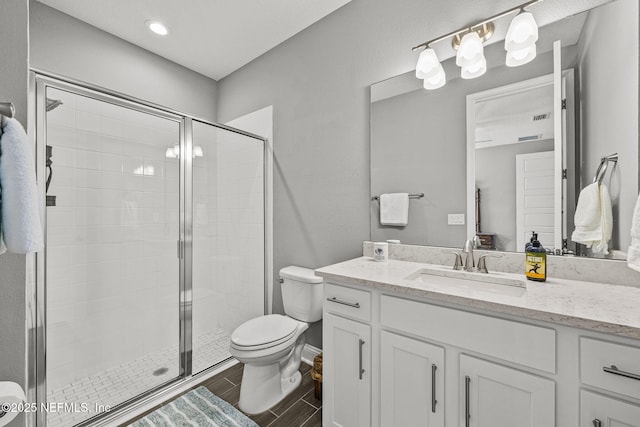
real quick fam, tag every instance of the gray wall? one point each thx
(66, 46)
(14, 54)
(318, 82)
(609, 127)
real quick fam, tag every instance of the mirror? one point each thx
(419, 137)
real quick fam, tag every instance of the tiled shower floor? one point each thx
(111, 386)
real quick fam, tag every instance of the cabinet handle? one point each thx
(361, 343)
(433, 388)
(615, 371)
(350, 304)
(597, 423)
(467, 411)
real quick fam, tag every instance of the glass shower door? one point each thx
(228, 238)
(112, 273)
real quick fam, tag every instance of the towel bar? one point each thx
(602, 168)
(7, 109)
(411, 196)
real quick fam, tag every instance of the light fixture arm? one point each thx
(479, 24)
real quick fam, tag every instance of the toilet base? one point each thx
(262, 387)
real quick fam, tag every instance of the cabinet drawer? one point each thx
(595, 355)
(354, 303)
(515, 342)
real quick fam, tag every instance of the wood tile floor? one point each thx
(299, 409)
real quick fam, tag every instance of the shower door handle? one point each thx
(180, 249)
(360, 369)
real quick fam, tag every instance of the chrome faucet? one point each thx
(469, 261)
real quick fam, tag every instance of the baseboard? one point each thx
(309, 352)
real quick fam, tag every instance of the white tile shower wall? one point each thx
(112, 272)
(228, 275)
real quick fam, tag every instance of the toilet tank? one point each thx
(301, 293)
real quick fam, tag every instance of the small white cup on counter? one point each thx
(380, 251)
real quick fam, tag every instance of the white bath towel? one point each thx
(394, 209)
(21, 226)
(594, 218)
(633, 255)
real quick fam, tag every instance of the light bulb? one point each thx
(157, 27)
(436, 81)
(522, 33)
(428, 64)
(197, 151)
(519, 57)
(474, 70)
(470, 50)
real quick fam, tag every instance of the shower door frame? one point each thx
(39, 81)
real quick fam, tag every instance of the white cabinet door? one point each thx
(493, 395)
(601, 411)
(412, 382)
(346, 372)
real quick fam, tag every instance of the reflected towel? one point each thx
(633, 256)
(394, 209)
(594, 218)
(21, 225)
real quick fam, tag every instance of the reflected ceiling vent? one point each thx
(539, 117)
(530, 138)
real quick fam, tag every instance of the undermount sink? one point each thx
(493, 278)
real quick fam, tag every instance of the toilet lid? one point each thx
(270, 329)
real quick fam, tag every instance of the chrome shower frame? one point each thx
(39, 81)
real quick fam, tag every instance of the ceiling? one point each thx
(212, 37)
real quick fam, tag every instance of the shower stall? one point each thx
(154, 248)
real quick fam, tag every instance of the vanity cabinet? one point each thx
(411, 382)
(402, 360)
(346, 357)
(493, 395)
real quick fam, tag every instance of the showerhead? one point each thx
(53, 103)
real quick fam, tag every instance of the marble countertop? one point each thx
(599, 307)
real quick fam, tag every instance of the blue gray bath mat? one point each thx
(198, 408)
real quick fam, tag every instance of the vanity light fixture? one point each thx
(520, 42)
(469, 42)
(157, 27)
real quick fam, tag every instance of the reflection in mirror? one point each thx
(418, 138)
(511, 131)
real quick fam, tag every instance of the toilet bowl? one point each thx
(271, 346)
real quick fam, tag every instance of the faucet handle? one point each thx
(457, 264)
(482, 263)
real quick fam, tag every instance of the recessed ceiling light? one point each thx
(157, 27)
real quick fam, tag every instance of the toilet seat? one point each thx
(264, 332)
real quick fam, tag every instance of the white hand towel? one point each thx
(394, 209)
(594, 218)
(633, 255)
(21, 226)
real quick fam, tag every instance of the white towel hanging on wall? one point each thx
(394, 209)
(633, 255)
(594, 218)
(20, 216)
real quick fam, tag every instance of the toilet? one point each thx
(271, 346)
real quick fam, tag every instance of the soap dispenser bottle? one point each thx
(536, 260)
